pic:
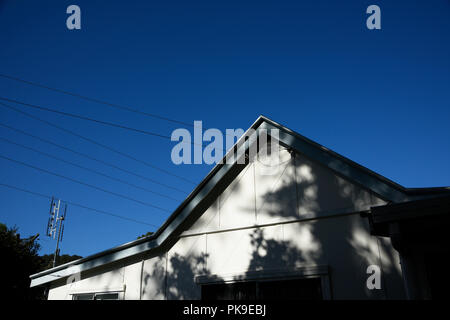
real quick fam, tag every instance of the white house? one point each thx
(305, 232)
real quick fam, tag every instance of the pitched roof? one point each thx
(383, 187)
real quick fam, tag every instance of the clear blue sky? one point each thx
(380, 98)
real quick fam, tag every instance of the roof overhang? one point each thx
(388, 219)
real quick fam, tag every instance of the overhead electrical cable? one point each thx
(87, 156)
(83, 183)
(114, 105)
(87, 169)
(97, 143)
(97, 121)
(86, 118)
(78, 205)
(99, 101)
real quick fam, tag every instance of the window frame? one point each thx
(321, 272)
(120, 295)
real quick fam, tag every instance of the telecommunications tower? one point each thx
(55, 226)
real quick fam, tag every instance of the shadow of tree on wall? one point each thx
(336, 235)
(177, 282)
(341, 241)
(180, 279)
(175, 278)
(269, 253)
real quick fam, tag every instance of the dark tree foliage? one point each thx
(145, 235)
(19, 259)
(47, 260)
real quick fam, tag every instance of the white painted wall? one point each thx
(302, 216)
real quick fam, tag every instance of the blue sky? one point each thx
(380, 98)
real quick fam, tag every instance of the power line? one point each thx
(87, 169)
(97, 143)
(78, 205)
(86, 118)
(97, 121)
(90, 157)
(83, 183)
(114, 105)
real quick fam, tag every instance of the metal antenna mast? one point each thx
(55, 226)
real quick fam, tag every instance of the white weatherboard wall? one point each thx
(303, 216)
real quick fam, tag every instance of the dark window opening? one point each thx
(96, 296)
(293, 289)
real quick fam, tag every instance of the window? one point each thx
(106, 296)
(87, 296)
(96, 296)
(292, 289)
